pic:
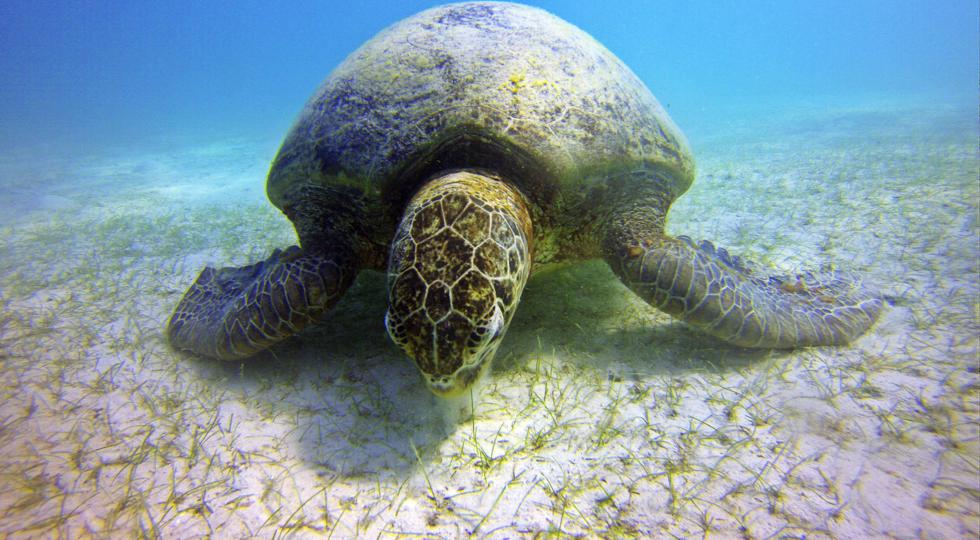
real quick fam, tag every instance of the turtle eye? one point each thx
(496, 327)
(388, 325)
(487, 333)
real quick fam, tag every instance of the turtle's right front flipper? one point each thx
(231, 313)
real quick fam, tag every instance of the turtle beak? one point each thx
(479, 358)
(476, 358)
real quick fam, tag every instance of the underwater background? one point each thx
(136, 137)
(79, 75)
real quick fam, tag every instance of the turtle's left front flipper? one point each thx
(714, 291)
(231, 313)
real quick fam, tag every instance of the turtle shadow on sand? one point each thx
(598, 323)
(353, 404)
(341, 395)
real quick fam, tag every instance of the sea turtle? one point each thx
(462, 146)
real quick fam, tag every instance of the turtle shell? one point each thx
(480, 85)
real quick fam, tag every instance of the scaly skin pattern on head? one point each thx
(458, 265)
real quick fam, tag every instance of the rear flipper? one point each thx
(232, 313)
(716, 292)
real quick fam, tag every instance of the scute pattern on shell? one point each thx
(497, 71)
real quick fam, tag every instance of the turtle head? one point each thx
(457, 267)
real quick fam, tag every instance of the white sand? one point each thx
(602, 417)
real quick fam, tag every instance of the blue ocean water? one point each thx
(135, 138)
(83, 75)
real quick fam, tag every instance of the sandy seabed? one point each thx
(602, 417)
